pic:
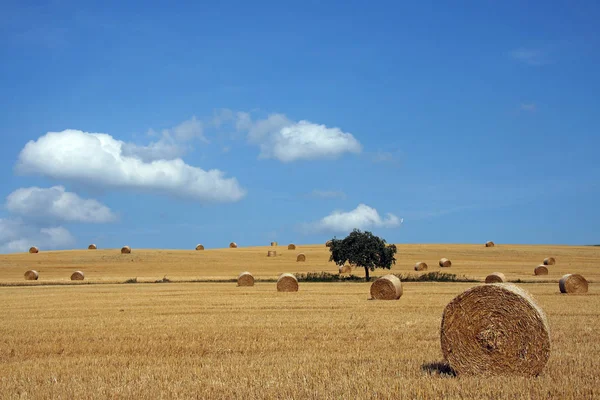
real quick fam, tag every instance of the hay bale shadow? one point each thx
(438, 368)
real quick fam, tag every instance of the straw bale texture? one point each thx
(495, 329)
(301, 257)
(573, 283)
(125, 250)
(445, 263)
(233, 245)
(245, 279)
(540, 270)
(328, 243)
(77, 276)
(271, 253)
(421, 266)
(200, 247)
(273, 243)
(495, 277)
(33, 249)
(490, 244)
(291, 246)
(388, 287)
(31, 275)
(287, 283)
(345, 269)
(549, 261)
(92, 247)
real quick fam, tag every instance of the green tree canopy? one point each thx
(363, 249)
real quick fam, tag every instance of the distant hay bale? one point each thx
(540, 270)
(345, 269)
(291, 246)
(31, 275)
(421, 266)
(445, 263)
(287, 283)
(300, 257)
(273, 243)
(77, 276)
(125, 250)
(388, 287)
(34, 250)
(490, 244)
(549, 261)
(200, 247)
(328, 243)
(573, 283)
(245, 279)
(495, 329)
(233, 245)
(92, 247)
(271, 253)
(495, 277)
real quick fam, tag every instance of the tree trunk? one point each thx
(367, 274)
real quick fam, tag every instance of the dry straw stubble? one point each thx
(245, 279)
(495, 277)
(421, 266)
(573, 283)
(77, 276)
(31, 275)
(388, 287)
(540, 270)
(445, 263)
(125, 250)
(287, 283)
(495, 329)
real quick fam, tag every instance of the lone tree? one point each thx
(363, 249)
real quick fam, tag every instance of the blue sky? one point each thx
(157, 125)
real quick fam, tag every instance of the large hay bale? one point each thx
(345, 269)
(31, 275)
(495, 329)
(300, 257)
(34, 250)
(549, 261)
(92, 247)
(490, 244)
(287, 283)
(77, 276)
(273, 243)
(125, 250)
(328, 243)
(233, 245)
(421, 266)
(573, 283)
(540, 270)
(495, 277)
(445, 263)
(388, 287)
(291, 246)
(271, 253)
(245, 279)
(199, 247)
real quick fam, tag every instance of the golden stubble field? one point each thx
(215, 340)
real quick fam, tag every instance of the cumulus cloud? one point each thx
(362, 217)
(99, 159)
(18, 236)
(56, 204)
(287, 141)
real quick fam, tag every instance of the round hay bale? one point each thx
(33, 250)
(200, 247)
(421, 266)
(445, 263)
(495, 329)
(31, 275)
(245, 279)
(233, 245)
(271, 253)
(495, 277)
(490, 244)
(540, 270)
(328, 243)
(273, 243)
(125, 250)
(92, 247)
(300, 257)
(549, 261)
(388, 287)
(573, 283)
(287, 283)
(77, 276)
(291, 246)
(345, 269)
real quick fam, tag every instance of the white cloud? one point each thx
(288, 141)
(56, 204)
(17, 236)
(362, 217)
(98, 159)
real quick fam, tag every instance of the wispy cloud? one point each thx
(530, 56)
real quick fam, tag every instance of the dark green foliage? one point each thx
(131, 280)
(326, 277)
(434, 277)
(363, 249)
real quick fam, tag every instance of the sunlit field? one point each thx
(216, 340)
